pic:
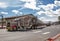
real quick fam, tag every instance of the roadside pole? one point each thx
(1, 20)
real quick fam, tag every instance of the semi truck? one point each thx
(26, 22)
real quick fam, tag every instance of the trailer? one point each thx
(26, 22)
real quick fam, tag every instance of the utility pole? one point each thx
(59, 19)
(2, 20)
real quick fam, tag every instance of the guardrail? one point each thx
(55, 38)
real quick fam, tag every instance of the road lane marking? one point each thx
(37, 31)
(46, 33)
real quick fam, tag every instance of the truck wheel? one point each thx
(9, 29)
(24, 28)
(32, 27)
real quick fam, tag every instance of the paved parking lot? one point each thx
(32, 35)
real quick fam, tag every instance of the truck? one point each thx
(25, 22)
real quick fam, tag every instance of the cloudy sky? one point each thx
(45, 10)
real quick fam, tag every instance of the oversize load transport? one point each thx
(25, 22)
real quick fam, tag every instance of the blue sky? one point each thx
(45, 10)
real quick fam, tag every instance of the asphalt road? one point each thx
(32, 35)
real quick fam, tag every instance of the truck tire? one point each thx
(24, 28)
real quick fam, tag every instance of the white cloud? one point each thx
(40, 12)
(57, 3)
(17, 3)
(49, 12)
(44, 19)
(4, 12)
(50, 6)
(30, 4)
(57, 12)
(47, 7)
(28, 0)
(10, 3)
(40, 2)
(52, 13)
(15, 11)
(21, 13)
(3, 5)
